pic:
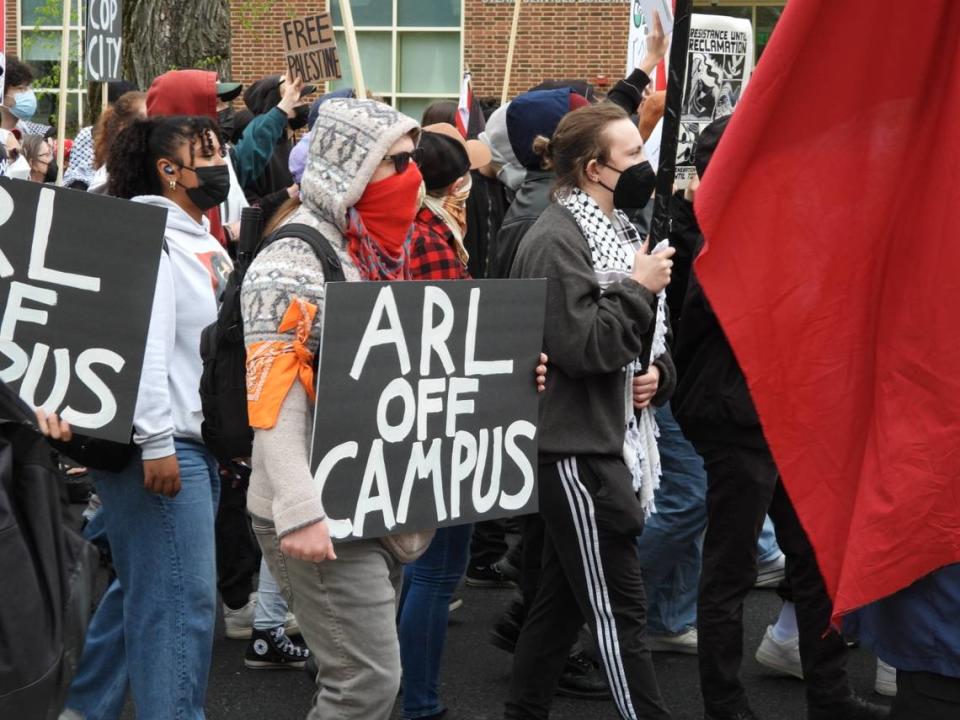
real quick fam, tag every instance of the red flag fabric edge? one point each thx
(830, 211)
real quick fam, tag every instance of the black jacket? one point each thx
(47, 573)
(269, 191)
(712, 402)
(590, 335)
(532, 198)
(486, 207)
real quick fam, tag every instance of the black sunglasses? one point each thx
(402, 160)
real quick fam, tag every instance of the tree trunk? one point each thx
(162, 35)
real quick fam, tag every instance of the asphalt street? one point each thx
(475, 675)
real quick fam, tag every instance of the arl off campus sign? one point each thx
(427, 404)
(77, 278)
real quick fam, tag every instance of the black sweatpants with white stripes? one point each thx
(590, 573)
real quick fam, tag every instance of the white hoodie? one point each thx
(192, 276)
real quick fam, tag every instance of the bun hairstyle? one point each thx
(578, 139)
(133, 155)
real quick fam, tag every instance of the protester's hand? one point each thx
(690, 194)
(52, 426)
(293, 191)
(653, 271)
(542, 373)
(645, 387)
(657, 45)
(234, 230)
(291, 95)
(311, 543)
(162, 476)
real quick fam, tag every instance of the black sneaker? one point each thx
(273, 650)
(583, 679)
(852, 709)
(489, 576)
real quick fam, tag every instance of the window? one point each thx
(40, 36)
(763, 14)
(411, 50)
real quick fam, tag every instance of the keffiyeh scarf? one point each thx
(613, 244)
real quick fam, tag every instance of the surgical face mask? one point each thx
(24, 105)
(19, 170)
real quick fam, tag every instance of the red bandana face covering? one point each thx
(380, 223)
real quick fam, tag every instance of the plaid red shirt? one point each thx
(432, 255)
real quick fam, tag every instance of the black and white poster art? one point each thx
(427, 404)
(77, 278)
(719, 64)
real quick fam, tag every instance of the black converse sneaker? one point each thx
(273, 650)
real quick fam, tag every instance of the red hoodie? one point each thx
(187, 92)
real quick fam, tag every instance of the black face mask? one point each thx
(228, 122)
(50, 176)
(635, 186)
(214, 186)
(299, 120)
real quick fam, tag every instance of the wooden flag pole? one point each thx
(64, 77)
(510, 49)
(106, 98)
(353, 50)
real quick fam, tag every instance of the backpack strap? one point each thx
(332, 269)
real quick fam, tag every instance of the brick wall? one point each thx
(581, 39)
(255, 31)
(11, 27)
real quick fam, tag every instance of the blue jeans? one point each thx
(428, 586)
(153, 630)
(271, 609)
(672, 538)
(767, 548)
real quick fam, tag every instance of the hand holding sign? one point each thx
(658, 43)
(291, 94)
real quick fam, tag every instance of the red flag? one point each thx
(831, 211)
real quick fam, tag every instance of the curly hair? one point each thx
(124, 111)
(133, 155)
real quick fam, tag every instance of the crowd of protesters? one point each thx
(660, 503)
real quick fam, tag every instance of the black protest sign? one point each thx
(77, 277)
(104, 35)
(310, 49)
(427, 404)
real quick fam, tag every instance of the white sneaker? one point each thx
(783, 657)
(239, 623)
(770, 573)
(685, 642)
(886, 683)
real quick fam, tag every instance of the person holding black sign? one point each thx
(595, 464)
(153, 630)
(360, 191)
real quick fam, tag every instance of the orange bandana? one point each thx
(273, 367)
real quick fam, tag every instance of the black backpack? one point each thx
(223, 384)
